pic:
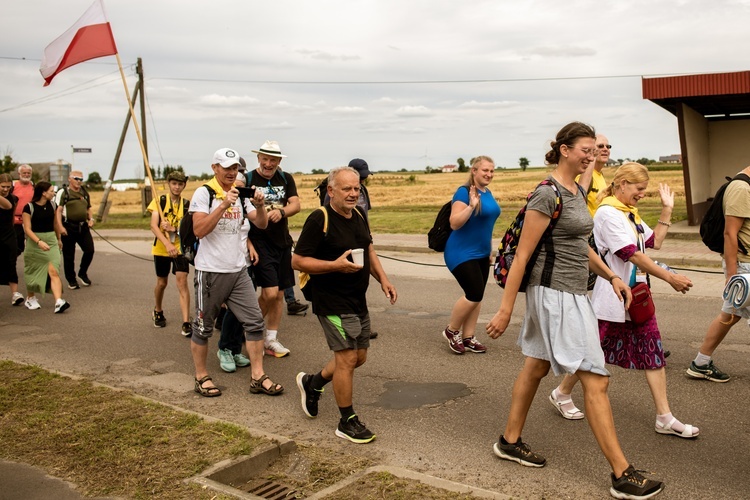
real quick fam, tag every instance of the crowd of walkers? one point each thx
(240, 216)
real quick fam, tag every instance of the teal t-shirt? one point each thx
(473, 240)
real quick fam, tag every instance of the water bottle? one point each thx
(664, 266)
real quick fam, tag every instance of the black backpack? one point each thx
(188, 241)
(322, 191)
(437, 237)
(712, 226)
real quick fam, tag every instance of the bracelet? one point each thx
(283, 214)
(613, 277)
(668, 224)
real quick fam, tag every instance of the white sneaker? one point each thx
(274, 348)
(61, 305)
(17, 299)
(32, 303)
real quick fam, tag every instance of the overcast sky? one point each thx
(393, 82)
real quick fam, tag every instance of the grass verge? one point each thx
(109, 442)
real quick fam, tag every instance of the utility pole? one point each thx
(108, 186)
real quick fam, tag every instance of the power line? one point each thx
(75, 89)
(414, 82)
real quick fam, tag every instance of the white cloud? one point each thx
(487, 104)
(327, 56)
(349, 110)
(227, 100)
(414, 111)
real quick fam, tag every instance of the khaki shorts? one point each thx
(348, 331)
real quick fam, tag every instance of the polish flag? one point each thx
(90, 37)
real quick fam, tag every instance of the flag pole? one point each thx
(140, 137)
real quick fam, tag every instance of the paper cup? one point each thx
(358, 256)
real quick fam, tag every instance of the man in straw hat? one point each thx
(274, 244)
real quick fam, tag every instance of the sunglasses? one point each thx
(78, 179)
(602, 146)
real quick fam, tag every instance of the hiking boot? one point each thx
(226, 360)
(455, 342)
(32, 303)
(518, 452)
(632, 484)
(187, 329)
(74, 285)
(159, 320)
(17, 299)
(61, 305)
(274, 348)
(354, 430)
(308, 395)
(296, 307)
(241, 361)
(85, 281)
(708, 372)
(473, 345)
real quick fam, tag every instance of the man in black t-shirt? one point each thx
(339, 286)
(274, 244)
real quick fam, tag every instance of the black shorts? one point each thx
(275, 266)
(178, 264)
(472, 277)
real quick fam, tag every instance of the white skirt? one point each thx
(561, 327)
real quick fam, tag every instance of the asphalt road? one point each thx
(432, 411)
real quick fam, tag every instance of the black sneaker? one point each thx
(708, 372)
(518, 452)
(308, 395)
(85, 281)
(74, 285)
(296, 307)
(373, 335)
(632, 484)
(159, 320)
(354, 430)
(187, 329)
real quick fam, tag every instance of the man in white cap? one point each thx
(274, 271)
(220, 271)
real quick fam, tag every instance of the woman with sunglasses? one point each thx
(8, 241)
(43, 244)
(560, 329)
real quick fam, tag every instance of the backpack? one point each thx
(322, 190)
(163, 203)
(437, 237)
(712, 225)
(304, 278)
(188, 241)
(508, 245)
(66, 195)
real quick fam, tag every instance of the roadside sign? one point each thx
(81, 150)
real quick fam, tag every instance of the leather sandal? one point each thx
(256, 387)
(207, 392)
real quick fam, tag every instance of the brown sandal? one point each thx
(256, 387)
(208, 392)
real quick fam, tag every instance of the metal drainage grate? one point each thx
(272, 490)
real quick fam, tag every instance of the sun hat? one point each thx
(360, 166)
(226, 157)
(176, 175)
(270, 148)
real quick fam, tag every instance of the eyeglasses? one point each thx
(80, 179)
(587, 151)
(602, 146)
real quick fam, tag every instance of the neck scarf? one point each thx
(214, 184)
(630, 211)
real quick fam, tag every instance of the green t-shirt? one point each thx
(75, 205)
